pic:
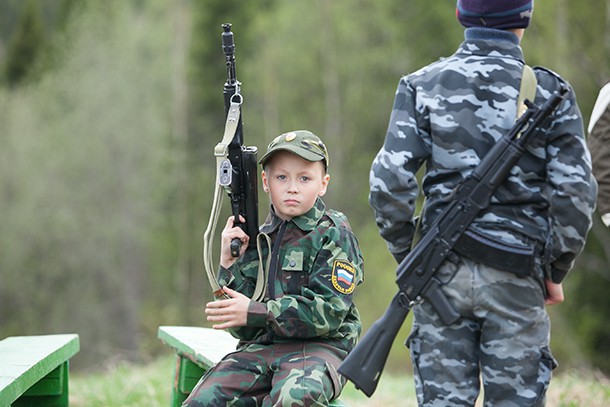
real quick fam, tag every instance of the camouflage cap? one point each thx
(303, 143)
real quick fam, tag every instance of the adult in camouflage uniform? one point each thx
(599, 145)
(447, 116)
(292, 341)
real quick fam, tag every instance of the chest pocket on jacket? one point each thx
(294, 273)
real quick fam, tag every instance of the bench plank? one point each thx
(197, 349)
(203, 346)
(35, 366)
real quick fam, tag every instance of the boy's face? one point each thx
(293, 183)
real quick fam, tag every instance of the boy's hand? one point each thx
(229, 233)
(231, 313)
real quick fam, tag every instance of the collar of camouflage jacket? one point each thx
(484, 41)
(305, 222)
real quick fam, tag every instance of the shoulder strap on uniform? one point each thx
(527, 90)
(336, 217)
(221, 153)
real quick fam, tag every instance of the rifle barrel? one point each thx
(228, 47)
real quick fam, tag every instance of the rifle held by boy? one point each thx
(416, 278)
(238, 173)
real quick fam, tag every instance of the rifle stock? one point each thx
(364, 368)
(364, 365)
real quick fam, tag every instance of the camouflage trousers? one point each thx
(501, 341)
(285, 374)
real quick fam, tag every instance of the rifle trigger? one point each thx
(415, 302)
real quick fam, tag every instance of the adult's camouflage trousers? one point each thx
(501, 340)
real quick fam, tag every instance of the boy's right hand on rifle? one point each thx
(229, 233)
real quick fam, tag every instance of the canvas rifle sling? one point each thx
(221, 152)
(527, 90)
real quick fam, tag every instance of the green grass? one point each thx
(124, 385)
(150, 385)
(572, 389)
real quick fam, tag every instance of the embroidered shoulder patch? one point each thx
(343, 276)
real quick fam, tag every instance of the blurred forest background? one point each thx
(109, 112)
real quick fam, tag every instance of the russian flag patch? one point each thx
(343, 276)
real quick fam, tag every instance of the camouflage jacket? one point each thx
(448, 115)
(315, 266)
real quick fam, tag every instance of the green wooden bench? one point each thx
(197, 350)
(34, 369)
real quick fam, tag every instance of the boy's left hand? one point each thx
(231, 313)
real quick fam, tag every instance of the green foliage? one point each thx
(573, 39)
(84, 175)
(311, 72)
(25, 45)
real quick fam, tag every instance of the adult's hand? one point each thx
(554, 293)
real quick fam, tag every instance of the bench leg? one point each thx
(50, 391)
(186, 376)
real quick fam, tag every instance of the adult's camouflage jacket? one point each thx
(316, 264)
(448, 115)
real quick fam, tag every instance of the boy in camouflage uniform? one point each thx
(292, 341)
(447, 116)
